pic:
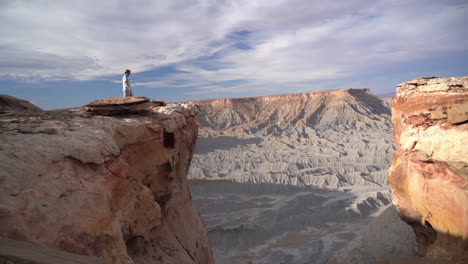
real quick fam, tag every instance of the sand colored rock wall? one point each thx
(111, 187)
(429, 172)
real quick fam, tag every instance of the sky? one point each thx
(60, 54)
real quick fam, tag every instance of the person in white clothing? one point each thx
(127, 89)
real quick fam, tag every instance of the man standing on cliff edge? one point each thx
(127, 90)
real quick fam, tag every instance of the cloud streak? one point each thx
(266, 43)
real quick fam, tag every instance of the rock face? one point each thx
(294, 115)
(324, 139)
(429, 172)
(110, 187)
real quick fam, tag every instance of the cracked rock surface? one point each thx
(429, 172)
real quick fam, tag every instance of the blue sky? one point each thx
(64, 54)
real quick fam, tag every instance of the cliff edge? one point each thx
(111, 187)
(429, 172)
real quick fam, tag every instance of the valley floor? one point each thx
(274, 223)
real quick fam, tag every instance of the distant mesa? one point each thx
(331, 139)
(293, 115)
(121, 105)
(12, 103)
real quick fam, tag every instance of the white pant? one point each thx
(127, 93)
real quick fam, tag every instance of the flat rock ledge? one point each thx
(121, 105)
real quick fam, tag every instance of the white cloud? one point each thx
(292, 41)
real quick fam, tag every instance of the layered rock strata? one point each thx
(110, 187)
(325, 139)
(294, 115)
(429, 172)
(121, 105)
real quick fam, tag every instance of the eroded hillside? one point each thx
(325, 139)
(266, 167)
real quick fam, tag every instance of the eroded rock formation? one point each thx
(251, 150)
(294, 115)
(111, 187)
(429, 172)
(325, 139)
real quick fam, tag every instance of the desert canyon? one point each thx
(336, 176)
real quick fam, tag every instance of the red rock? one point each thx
(109, 187)
(429, 172)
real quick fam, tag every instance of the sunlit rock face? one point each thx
(325, 139)
(294, 115)
(111, 187)
(429, 172)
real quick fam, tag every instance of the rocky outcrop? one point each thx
(10, 103)
(327, 139)
(110, 187)
(429, 172)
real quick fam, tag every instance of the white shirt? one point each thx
(125, 79)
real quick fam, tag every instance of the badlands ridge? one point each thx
(324, 139)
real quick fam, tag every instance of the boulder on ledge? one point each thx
(121, 105)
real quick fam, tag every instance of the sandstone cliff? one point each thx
(429, 172)
(111, 187)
